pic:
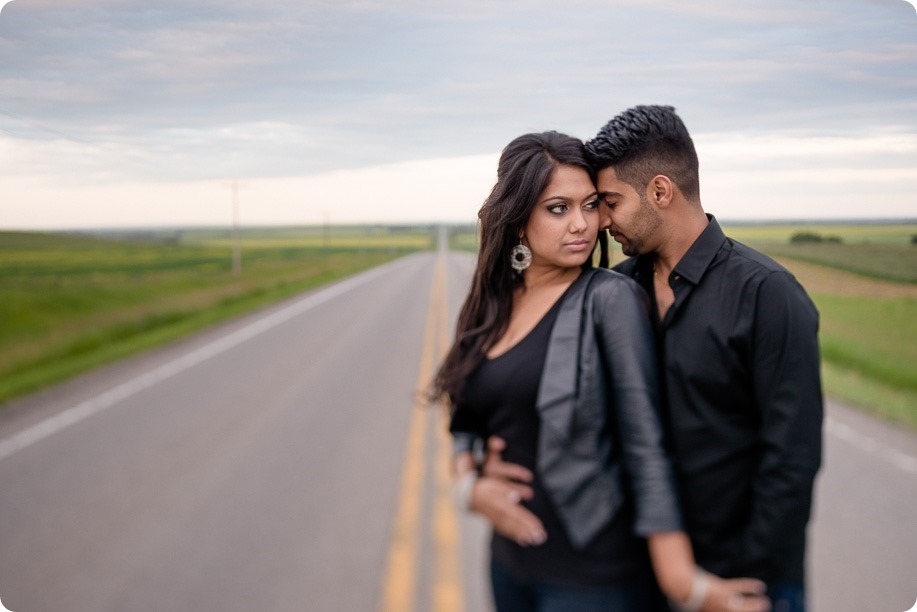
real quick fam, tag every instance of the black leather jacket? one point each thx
(600, 437)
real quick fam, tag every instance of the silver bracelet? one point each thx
(699, 588)
(462, 488)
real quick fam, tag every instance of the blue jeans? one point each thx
(787, 598)
(515, 594)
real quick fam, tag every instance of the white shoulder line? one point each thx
(870, 445)
(86, 409)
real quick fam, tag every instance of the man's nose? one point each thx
(604, 216)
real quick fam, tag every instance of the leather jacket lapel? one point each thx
(557, 390)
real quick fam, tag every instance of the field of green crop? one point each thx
(865, 288)
(899, 234)
(868, 337)
(878, 251)
(71, 302)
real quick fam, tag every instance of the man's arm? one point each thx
(670, 554)
(787, 390)
(499, 500)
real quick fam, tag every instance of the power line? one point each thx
(35, 124)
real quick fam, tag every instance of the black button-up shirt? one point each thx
(739, 356)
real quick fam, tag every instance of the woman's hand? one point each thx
(500, 502)
(503, 487)
(692, 589)
(735, 595)
(498, 496)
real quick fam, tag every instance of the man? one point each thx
(738, 350)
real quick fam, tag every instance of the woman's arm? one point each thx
(693, 589)
(630, 365)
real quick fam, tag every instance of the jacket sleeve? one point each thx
(626, 341)
(468, 433)
(787, 389)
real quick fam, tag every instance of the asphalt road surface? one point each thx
(285, 462)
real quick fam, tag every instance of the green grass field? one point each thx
(865, 289)
(851, 233)
(884, 251)
(72, 302)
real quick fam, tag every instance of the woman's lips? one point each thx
(579, 245)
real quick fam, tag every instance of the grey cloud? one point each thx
(291, 87)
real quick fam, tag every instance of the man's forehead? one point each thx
(608, 181)
(609, 173)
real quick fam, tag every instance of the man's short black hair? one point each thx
(644, 141)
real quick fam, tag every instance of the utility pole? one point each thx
(236, 240)
(236, 232)
(326, 230)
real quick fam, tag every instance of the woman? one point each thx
(556, 358)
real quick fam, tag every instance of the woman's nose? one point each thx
(578, 221)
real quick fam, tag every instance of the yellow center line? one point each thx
(400, 586)
(447, 580)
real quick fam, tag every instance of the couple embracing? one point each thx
(653, 431)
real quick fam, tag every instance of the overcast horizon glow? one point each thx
(119, 114)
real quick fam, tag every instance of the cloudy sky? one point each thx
(129, 113)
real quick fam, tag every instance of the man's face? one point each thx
(627, 214)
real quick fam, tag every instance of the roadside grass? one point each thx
(464, 238)
(853, 388)
(875, 337)
(866, 292)
(884, 261)
(71, 303)
(875, 343)
(868, 338)
(898, 234)
(876, 250)
(339, 237)
(865, 289)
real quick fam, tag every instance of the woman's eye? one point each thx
(557, 209)
(591, 205)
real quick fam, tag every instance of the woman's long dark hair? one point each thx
(523, 173)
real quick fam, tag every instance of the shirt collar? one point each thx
(696, 261)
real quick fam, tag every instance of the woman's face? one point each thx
(562, 228)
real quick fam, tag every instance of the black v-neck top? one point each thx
(499, 398)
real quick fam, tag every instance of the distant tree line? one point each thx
(810, 237)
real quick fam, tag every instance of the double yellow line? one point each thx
(400, 590)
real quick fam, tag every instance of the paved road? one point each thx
(864, 536)
(259, 473)
(282, 462)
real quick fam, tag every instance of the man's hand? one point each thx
(499, 502)
(495, 467)
(498, 494)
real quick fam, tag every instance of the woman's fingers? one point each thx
(522, 526)
(737, 595)
(500, 503)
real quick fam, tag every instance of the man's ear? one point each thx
(661, 190)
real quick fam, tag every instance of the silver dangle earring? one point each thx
(520, 257)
